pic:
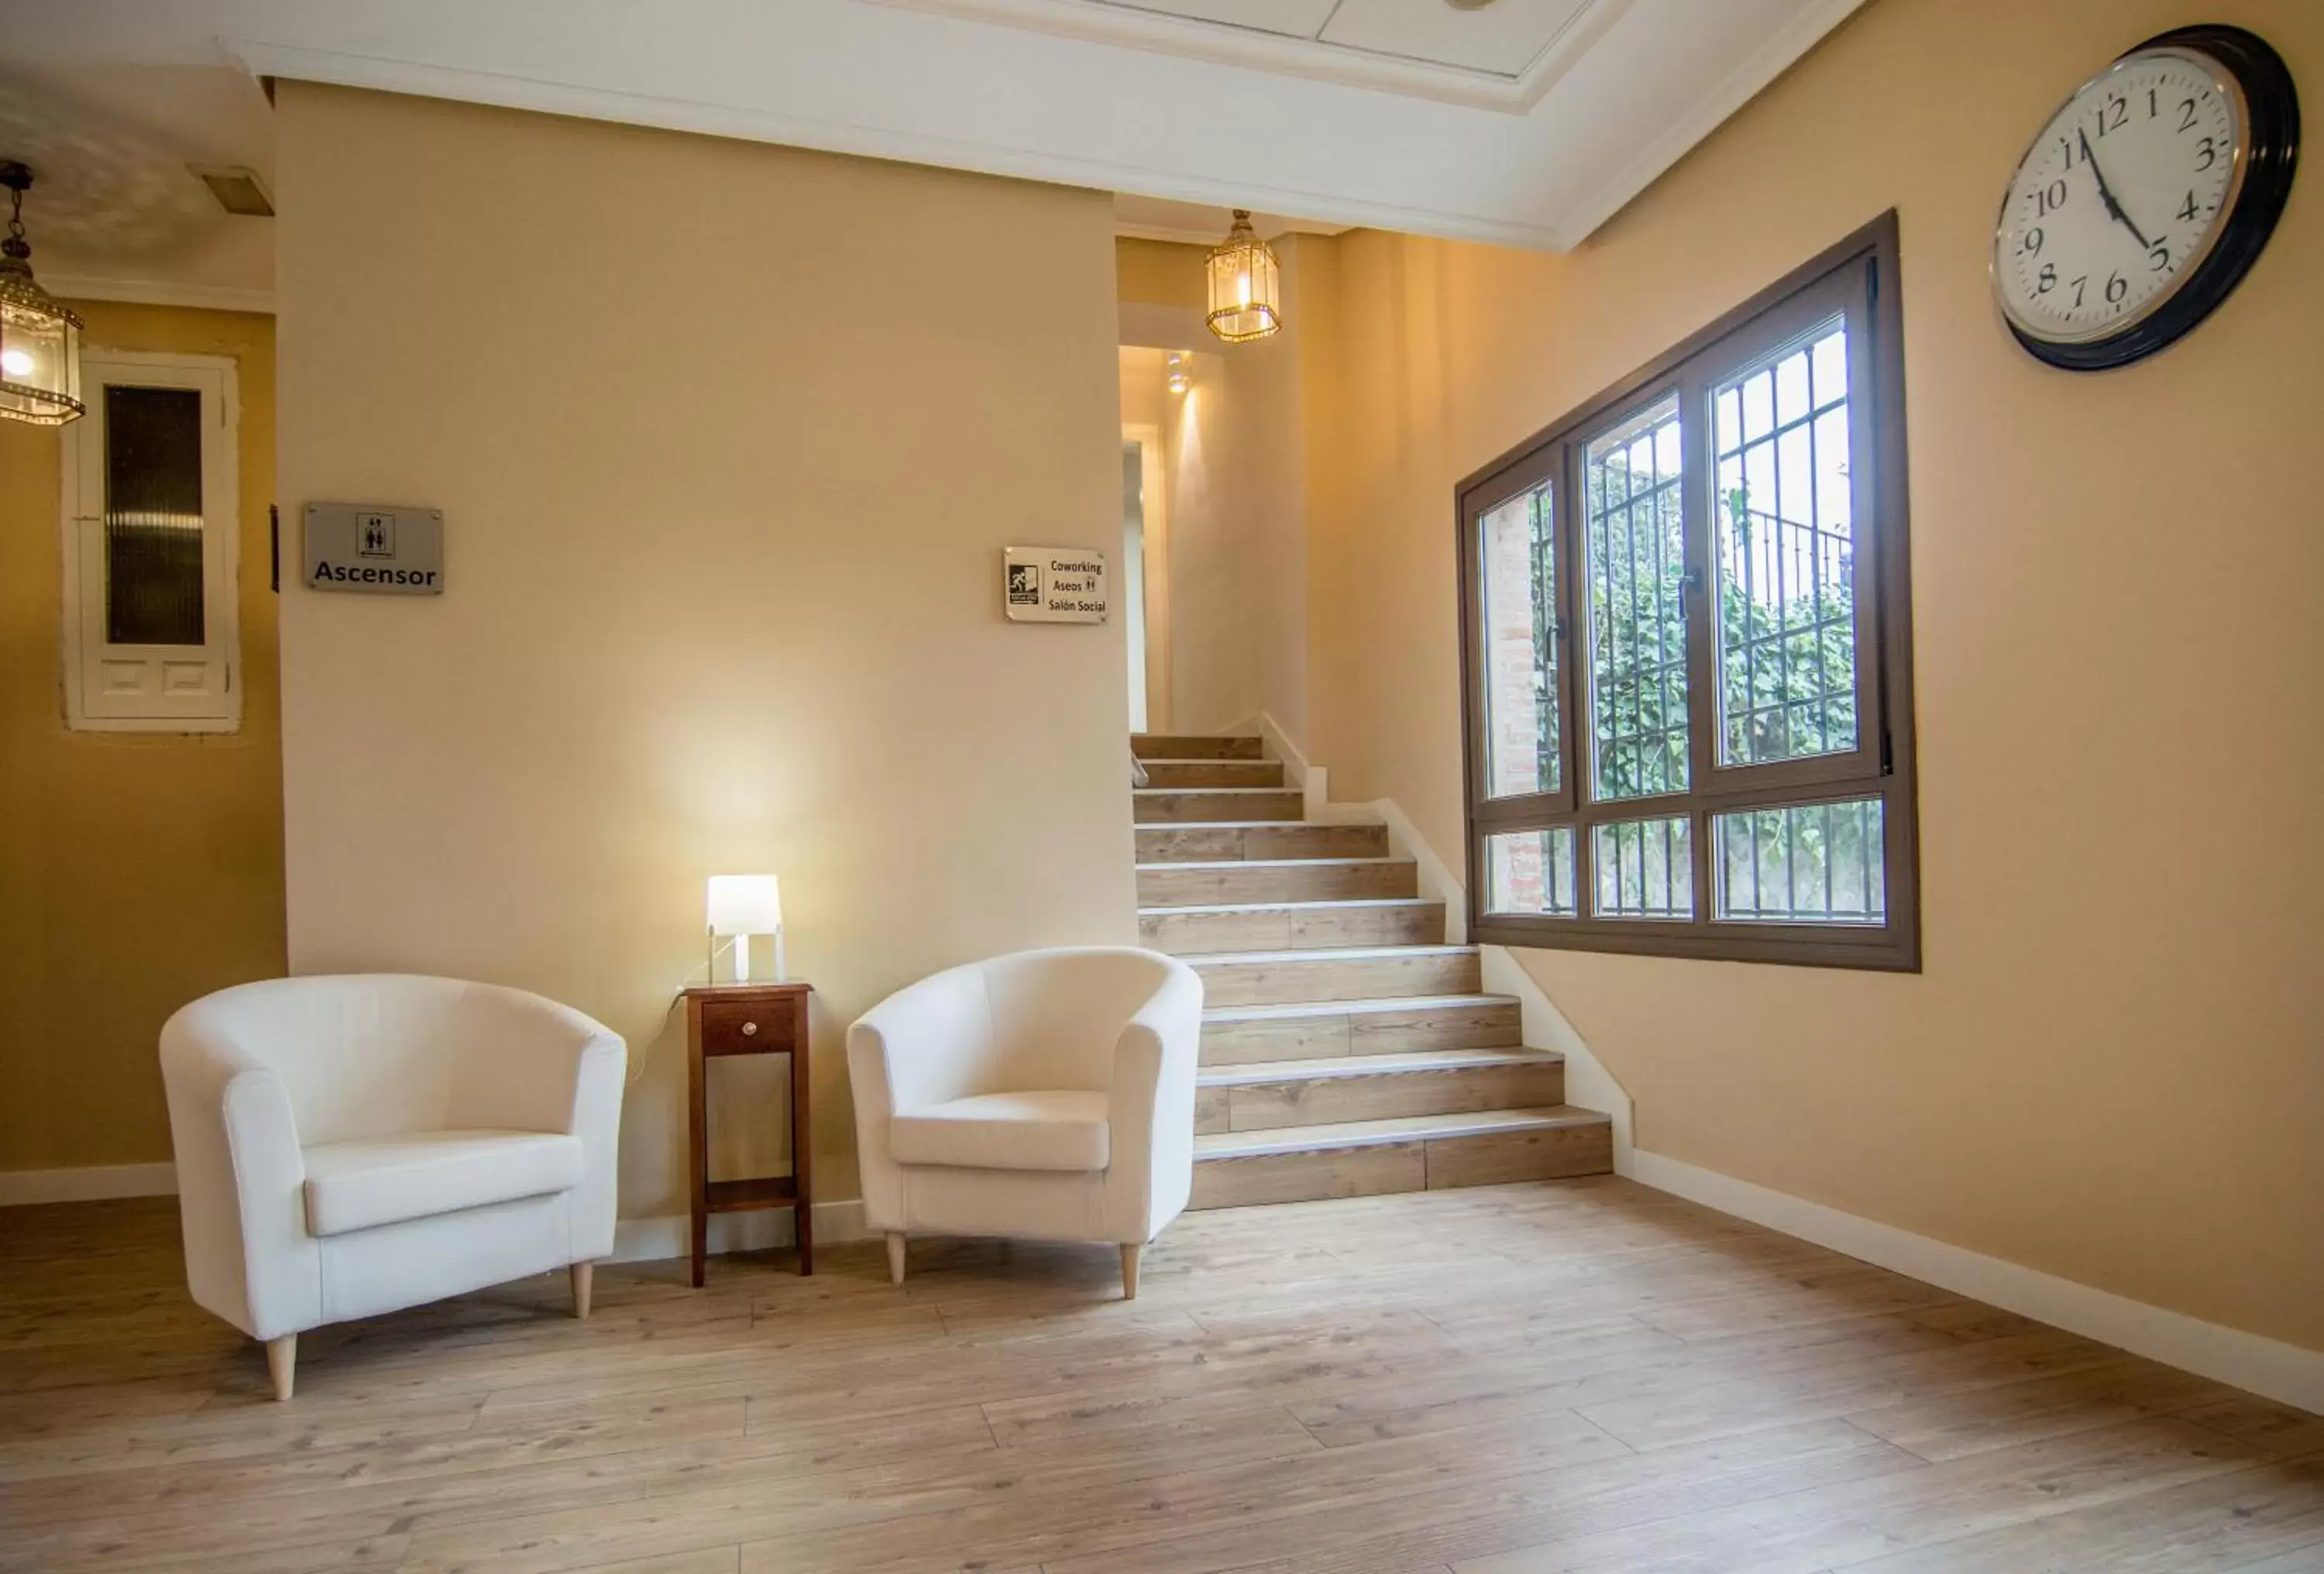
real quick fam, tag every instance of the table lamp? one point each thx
(741, 906)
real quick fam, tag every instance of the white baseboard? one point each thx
(87, 1185)
(656, 1238)
(2283, 1372)
(1437, 881)
(1313, 781)
(1587, 1082)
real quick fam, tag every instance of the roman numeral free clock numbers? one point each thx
(2146, 197)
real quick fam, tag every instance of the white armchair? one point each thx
(356, 1144)
(1047, 1095)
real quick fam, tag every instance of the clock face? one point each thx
(2122, 198)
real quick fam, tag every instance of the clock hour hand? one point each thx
(2106, 193)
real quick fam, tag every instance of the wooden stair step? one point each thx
(1292, 925)
(1258, 841)
(1413, 1153)
(1214, 773)
(1325, 1029)
(1200, 883)
(1165, 806)
(1273, 1094)
(1193, 746)
(1260, 978)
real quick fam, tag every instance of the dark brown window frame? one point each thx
(1858, 278)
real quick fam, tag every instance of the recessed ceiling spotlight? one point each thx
(237, 189)
(1468, 4)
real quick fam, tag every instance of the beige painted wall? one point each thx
(728, 439)
(2112, 1068)
(1160, 272)
(138, 871)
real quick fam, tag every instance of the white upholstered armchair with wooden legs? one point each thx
(1047, 1095)
(356, 1144)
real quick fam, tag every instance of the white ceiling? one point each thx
(114, 211)
(1501, 54)
(1158, 218)
(1524, 123)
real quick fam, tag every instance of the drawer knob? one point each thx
(749, 1028)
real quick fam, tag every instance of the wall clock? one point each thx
(2146, 197)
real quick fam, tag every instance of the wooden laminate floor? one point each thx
(1578, 1376)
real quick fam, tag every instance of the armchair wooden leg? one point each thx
(584, 1274)
(895, 1256)
(1130, 1272)
(282, 1363)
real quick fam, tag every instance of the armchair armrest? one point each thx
(240, 1178)
(914, 1048)
(1153, 1107)
(531, 1064)
(907, 1053)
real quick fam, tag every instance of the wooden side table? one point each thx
(722, 1019)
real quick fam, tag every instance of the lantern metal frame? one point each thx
(1246, 285)
(28, 401)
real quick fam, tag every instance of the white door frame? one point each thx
(216, 707)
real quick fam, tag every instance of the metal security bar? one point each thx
(1818, 863)
(1786, 620)
(1531, 871)
(1644, 869)
(1634, 543)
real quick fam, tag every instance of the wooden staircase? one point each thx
(1347, 1049)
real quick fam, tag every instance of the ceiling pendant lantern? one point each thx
(40, 337)
(1246, 286)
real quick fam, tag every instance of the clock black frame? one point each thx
(2271, 109)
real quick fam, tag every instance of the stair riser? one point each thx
(1177, 746)
(1318, 882)
(1162, 808)
(1320, 929)
(1333, 1034)
(1315, 1101)
(1214, 773)
(1272, 983)
(1405, 1167)
(1161, 844)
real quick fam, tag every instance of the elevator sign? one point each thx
(368, 547)
(1054, 584)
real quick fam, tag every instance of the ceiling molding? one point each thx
(1741, 86)
(1223, 43)
(1180, 140)
(158, 292)
(1163, 232)
(348, 69)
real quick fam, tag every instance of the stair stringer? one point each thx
(1587, 1082)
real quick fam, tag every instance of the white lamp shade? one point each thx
(746, 903)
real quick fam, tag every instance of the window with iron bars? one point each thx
(1687, 625)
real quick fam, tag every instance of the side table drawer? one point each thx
(744, 1027)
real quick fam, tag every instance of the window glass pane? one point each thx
(1520, 611)
(1634, 556)
(1818, 863)
(1644, 869)
(1787, 556)
(1530, 871)
(152, 516)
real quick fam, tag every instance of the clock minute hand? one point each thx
(2106, 193)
